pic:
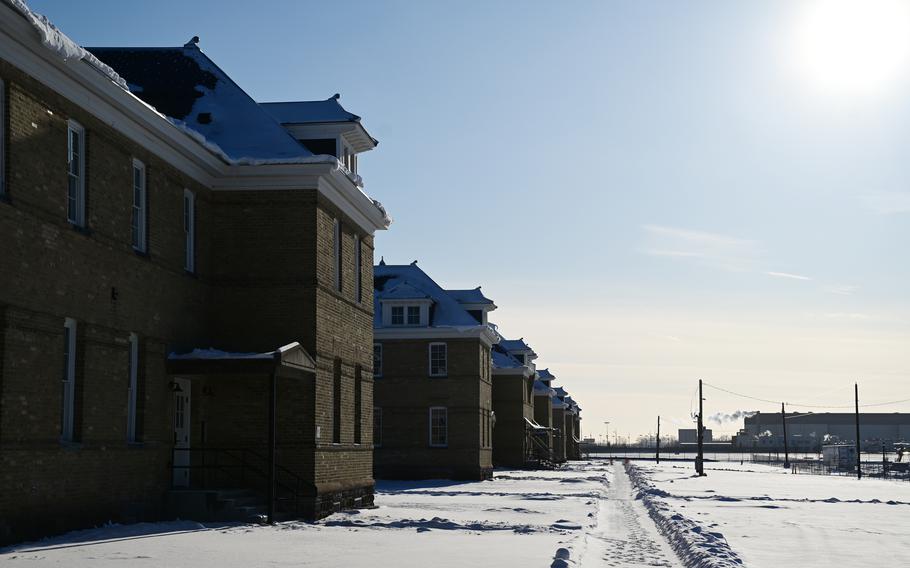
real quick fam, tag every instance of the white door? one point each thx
(182, 433)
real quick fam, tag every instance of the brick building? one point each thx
(187, 289)
(543, 411)
(432, 390)
(513, 403)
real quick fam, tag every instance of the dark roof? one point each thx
(307, 112)
(501, 358)
(185, 85)
(390, 281)
(474, 296)
(515, 345)
(545, 375)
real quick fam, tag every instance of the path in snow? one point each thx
(624, 535)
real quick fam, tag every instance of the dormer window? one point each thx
(521, 358)
(406, 315)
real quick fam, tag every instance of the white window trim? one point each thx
(430, 433)
(142, 244)
(377, 411)
(445, 373)
(68, 418)
(2, 138)
(79, 218)
(189, 230)
(378, 372)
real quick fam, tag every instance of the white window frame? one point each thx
(445, 368)
(336, 244)
(392, 316)
(445, 411)
(377, 413)
(189, 230)
(358, 270)
(2, 138)
(75, 214)
(68, 416)
(139, 217)
(377, 372)
(133, 390)
(407, 316)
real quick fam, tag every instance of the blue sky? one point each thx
(652, 192)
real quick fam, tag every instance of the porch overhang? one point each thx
(290, 361)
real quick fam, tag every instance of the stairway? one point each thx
(240, 505)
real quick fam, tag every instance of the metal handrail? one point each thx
(239, 454)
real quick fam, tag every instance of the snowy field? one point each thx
(582, 516)
(760, 516)
(590, 515)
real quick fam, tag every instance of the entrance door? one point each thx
(182, 433)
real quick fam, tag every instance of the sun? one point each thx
(853, 46)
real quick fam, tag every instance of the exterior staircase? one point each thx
(240, 505)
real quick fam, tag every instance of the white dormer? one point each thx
(324, 127)
(406, 313)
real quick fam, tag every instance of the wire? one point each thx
(728, 391)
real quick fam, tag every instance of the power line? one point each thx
(728, 391)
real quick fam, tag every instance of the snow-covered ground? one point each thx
(585, 515)
(761, 516)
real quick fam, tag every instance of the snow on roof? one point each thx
(541, 389)
(445, 311)
(515, 345)
(211, 353)
(501, 358)
(59, 42)
(474, 296)
(545, 375)
(404, 291)
(189, 88)
(306, 112)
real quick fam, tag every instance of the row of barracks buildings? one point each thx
(191, 322)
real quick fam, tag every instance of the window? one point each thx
(438, 358)
(67, 426)
(336, 403)
(2, 138)
(337, 245)
(397, 315)
(75, 192)
(413, 315)
(189, 230)
(358, 270)
(439, 426)
(138, 221)
(377, 359)
(358, 401)
(132, 394)
(521, 358)
(377, 427)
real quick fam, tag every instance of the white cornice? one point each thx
(82, 84)
(483, 333)
(523, 371)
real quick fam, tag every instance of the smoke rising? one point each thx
(722, 417)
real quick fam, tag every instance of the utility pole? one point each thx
(859, 454)
(658, 439)
(700, 458)
(783, 419)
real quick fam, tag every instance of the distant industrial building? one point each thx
(808, 431)
(690, 436)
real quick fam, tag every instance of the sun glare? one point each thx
(853, 46)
